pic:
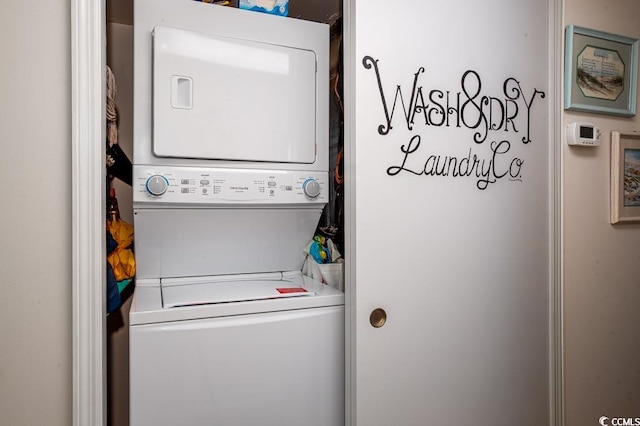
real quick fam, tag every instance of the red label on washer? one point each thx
(291, 290)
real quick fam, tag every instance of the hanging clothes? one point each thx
(121, 266)
(118, 164)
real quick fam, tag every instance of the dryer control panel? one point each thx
(191, 185)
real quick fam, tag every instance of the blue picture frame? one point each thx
(601, 72)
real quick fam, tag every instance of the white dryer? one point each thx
(230, 179)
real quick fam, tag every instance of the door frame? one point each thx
(556, 257)
(88, 62)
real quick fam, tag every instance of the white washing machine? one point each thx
(237, 353)
(230, 179)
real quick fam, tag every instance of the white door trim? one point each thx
(556, 318)
(88, 194)
(348, 78)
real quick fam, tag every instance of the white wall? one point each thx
(35, 225)
(601, 261)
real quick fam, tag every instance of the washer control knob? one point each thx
(311, 188)
(157, 185)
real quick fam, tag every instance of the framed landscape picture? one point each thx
(600, 72)
(625, 177)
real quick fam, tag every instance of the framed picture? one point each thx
(600, 72)
(625, 177)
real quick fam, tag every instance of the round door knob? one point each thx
(311, 188)
(378, 317)
(157, 185)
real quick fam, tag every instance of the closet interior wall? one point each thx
(119, 47)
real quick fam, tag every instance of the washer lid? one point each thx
(179, 292)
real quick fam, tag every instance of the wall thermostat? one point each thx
(586, 134)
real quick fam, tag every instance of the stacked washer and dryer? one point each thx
(230, 180)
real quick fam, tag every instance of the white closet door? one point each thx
(449, 218)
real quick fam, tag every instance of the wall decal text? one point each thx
(509, 112)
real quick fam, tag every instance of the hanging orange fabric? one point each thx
(122, 259)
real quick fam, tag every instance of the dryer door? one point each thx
(221, 98)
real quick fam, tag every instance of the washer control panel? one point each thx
(191, 185)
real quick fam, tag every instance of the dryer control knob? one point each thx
(157, 185)
(311, 188)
